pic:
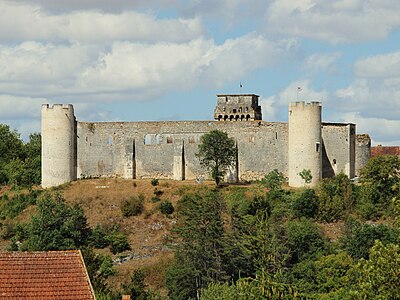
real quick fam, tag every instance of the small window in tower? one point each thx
(247, 109)
(109, 141)
(334, 161)
(191, 140)
(169, 139)
(234, 111)
(317, 147)
(157, 138)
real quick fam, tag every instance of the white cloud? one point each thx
(321, 62)
(268, 108)
(334, 21)
(379, 66)
(48, 70)
(29, 22)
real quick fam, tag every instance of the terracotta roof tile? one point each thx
(58, 275)
(385, 150)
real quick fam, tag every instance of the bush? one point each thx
(155, 199)
(99, 237)
(158, 192)
(305, 204)
(118, 242)
(133, 206)
(274, 180)
(166, 207)
(154, 182)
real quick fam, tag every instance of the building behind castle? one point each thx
(73, 149)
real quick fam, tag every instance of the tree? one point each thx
(57, 226)
(199, 257)
(217, 152)
(381, 173)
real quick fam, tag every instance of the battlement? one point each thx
(57, 106)
(305, 104)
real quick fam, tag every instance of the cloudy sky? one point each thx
(167, 59)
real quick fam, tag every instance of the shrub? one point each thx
(99, 237)
(305, 204)
(154, 182)
(166, 207)
(273, 180)
(118, 242)
(158, 192)
(133, 206)
(155, 199)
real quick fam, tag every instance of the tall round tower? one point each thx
(305, 143)
(58, 144)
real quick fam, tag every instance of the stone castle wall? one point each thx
(74, 150)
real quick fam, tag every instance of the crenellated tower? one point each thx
(58, 144)
(305, 142)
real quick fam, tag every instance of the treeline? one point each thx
(20, 163)
(272, 247)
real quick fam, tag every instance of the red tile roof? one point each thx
(57, 275)
(385, 150)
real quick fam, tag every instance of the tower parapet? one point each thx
(58, 144)
(305, 145)
(242, 107)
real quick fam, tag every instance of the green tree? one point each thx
(217, 152)
(274, 180)
(57, 226)
(379, 276)
(11, 148)
(199, 257)
(382, 174)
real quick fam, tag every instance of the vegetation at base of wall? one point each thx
(154, 182)
(216, 152)
(133, 206)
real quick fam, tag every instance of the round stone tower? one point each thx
(305, 143)
(58, 144)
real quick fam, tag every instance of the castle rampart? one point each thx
(167, 149)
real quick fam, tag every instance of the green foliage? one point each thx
(200, 256)
(20, 164)
(158, 192)
(378, 277)
(306, 176)
(154, 182)
(382, 174)
(12, 207)
(336, 198)
(118, 242)
(217, 152)
(133, 206)
(358, 239)
(56, 226)
(304, 240)
(99, 237)
(136, 287)
(166, 207)
(99, 267)
(305, 204)
(274, 180)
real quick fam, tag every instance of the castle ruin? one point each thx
(72, 150)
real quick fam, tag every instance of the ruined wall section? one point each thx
(167, 149)
(338, 149)
(58, 144)
(304, 142)
(362, 152)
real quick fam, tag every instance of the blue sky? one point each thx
(168, 59)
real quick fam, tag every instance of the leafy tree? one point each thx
(382, 174)
(304, 239)
(305, 204)
(57, 226)
(379, 276)
(199, 257)
(336, 198)
(359, 239)
(274, 180)
(118, 242)
(217, 152)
